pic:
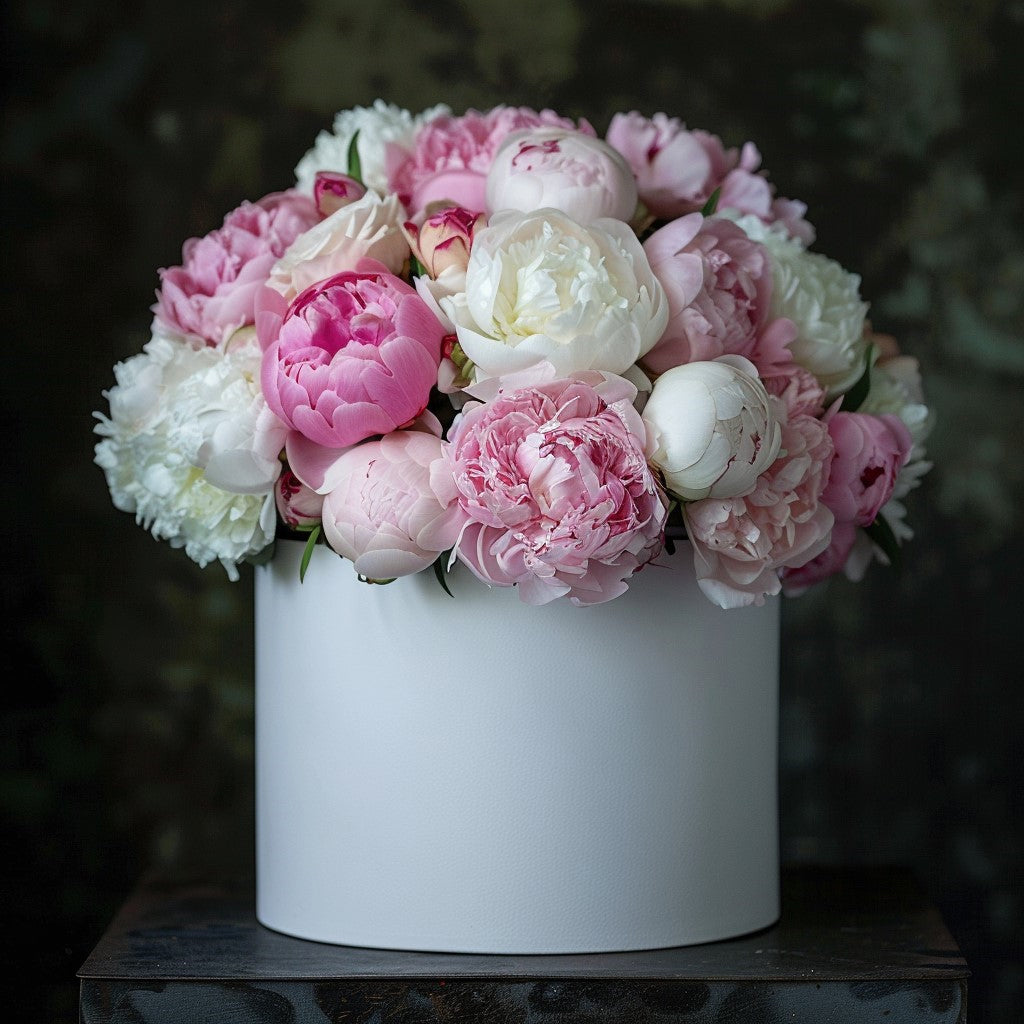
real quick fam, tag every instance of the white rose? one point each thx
(567, 170)
(180, 419)
(541, 288)
(378, 126)
(370, 227)
(710, 428)
(823, 301)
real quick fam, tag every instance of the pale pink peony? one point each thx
(562, 169)
(678, 170)
(353, 356)
(832, 560)
(383, 514)
(740, 545)
(672, 168)
(298, 505)
(213, 292)
(367, 228)
(559, 496)
(870, 450)
(799, 390)
(452, 155)
(718, 283)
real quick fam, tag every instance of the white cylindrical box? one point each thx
(471, 774)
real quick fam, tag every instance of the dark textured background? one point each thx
(126, 735)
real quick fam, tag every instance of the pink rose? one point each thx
(298, 505)
(383, 514)
(562, 169)
(444, 238)
(870, 450)
(452, 155)
(213, 292)
(741, 544)
(678, 170)
(558, 494)
(352, 356)
(718, 282)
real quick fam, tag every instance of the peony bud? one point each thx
(298, 505)
(710, 428)
(444, 239)
(332, 191)
(563, 169)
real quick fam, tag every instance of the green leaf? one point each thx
(416, 268)
(307, 554)
(880, 533)
(854, 398)
(712, 204)
(439, 574)
(355, 169)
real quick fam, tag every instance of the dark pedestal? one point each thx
(853, 945)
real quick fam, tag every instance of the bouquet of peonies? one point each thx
(502, 339)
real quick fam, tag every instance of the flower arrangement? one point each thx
(500, 338)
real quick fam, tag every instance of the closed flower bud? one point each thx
(332, 191)
(710, 428)
(444, 239)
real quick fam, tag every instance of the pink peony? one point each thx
(718, 282)
(562, 169)
(452, 155)
(672, 168)
(383, 514)
(832, 560)
(741, 544)
(559, 497)
(678, 170)
(214, 291)
(352, 356)
(869, 453)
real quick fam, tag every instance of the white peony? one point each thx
(823, 301)
(192, 450)
(378, 126)
(543, 289)
(370, 227)
(711, 429)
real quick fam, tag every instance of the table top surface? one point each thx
(837, 924)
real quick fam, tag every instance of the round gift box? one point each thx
(470, 774)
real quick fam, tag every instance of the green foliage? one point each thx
(307, 554)
(712, 204)
(881, 534)
(439, 572)
(854, 398)
(355, 167)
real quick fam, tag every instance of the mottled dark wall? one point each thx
(130, 127)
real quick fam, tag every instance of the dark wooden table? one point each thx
(853, 945)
